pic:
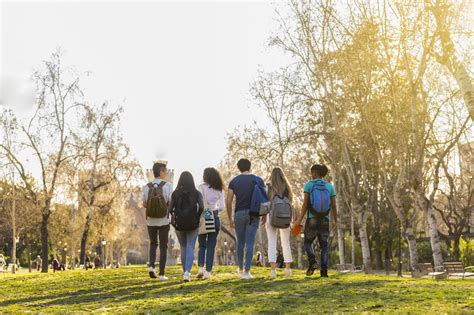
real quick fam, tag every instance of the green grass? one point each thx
(130, 290)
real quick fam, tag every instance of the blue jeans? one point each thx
(245, 230)
(187, 240)
(207, 245)
(320, 229)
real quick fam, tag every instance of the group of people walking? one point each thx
(195, 215)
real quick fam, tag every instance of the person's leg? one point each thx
(163, 235)
(241, 221)
(250, 234)
(182, 245)
(211, 245)
(323, 236)
(191, 237)
(152, 234)
(272, 244)
(202, 241)
(286, 246)
(308, 245)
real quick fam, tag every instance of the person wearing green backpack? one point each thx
(319, 201)
(156, 197)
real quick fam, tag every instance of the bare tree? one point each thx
(45, 137)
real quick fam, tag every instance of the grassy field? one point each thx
(130, 290)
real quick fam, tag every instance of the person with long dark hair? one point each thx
(213, 193)
(186, 207)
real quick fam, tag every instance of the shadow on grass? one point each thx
(225, 293)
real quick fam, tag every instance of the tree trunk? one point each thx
(340, 233)
(452, 63)
(434, 237)
(425, 205)
(352, 240)
(364, 241)
(13, 258)
(408, 232)
(44, 240)
(456, 250)
(411, 240)
(85, 234)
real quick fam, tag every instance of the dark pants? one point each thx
(162, 232)
(320, 229)
(207, 245)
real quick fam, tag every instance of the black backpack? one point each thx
(185, 216)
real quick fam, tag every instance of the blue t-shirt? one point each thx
(243, 186)
(329, 187)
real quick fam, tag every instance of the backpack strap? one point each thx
(161, 184)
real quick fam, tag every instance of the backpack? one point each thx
(281, 212)
(156, 206)
(259, 202)
(185, 216)
(320, 200)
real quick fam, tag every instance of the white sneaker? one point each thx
(240, 272)
(288, 272)
(200, 272)
(152, 272)
(246, 275)
(273, 273)
(207, 275)
(163, 278)
(186, 276)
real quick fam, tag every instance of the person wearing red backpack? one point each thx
(156, 198)
(319, 201)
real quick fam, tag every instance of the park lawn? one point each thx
(131, 290)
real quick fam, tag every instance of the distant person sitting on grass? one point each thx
(319, 200)
(97, 262)
(56, 265)
(87, 263)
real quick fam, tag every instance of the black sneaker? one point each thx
(152, 273)
(311, 269)
(324, 274)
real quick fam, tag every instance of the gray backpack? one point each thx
(280, 212)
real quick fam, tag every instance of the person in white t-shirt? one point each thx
(213, 191)
(158, 228)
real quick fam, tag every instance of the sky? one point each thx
(181, 70)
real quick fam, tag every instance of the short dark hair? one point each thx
(244, 165)
(318, 169)
(157, 168)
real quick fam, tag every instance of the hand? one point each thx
(231, 224)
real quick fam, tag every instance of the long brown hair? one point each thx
(278, 184)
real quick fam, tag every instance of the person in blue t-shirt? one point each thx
(317, 226)
(245, 224)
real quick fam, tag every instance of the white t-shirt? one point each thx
(214, 198)
(167, 191)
